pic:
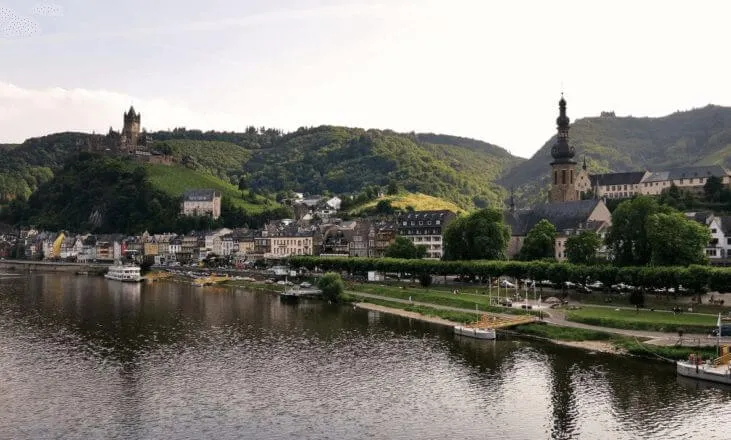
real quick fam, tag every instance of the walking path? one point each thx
(558, 317)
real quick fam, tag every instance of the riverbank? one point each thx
(586, 339)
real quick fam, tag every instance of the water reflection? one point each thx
(83, 357)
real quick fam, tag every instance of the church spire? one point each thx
(561, 151)
(583, 167)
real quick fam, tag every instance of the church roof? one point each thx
(200, 195)
(562, 215)
(631, 178)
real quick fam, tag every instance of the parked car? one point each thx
(507, 284)
(596, 285)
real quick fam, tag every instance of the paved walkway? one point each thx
(558, 317)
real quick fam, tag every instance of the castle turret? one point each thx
(563, 188)
(131, 130)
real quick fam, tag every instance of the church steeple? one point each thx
(563, 166)
(561, 151)
(583, 167)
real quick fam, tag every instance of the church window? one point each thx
(555, 177)
(572, 176)
(563, 177)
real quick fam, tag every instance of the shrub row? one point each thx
(695, 278)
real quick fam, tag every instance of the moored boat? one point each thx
(715, 370)
(474, 332)
(124, 272)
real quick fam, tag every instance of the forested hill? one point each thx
(338, 160)
(345, 160)
(615, 144)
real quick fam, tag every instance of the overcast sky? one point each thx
(491, 70)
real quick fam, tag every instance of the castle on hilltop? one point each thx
(132, 140)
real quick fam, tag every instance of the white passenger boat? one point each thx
(473, 332)
(124, 272)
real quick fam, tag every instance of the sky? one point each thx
(490, 70)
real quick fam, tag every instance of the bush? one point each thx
(425, 279)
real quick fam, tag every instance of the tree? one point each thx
(581, 248)
(676, 240)
(637, 298)
(628, 238)
(713, 189)
(425, 279)
(384, 207)
(482, 235)
(392, 188)
(402, 247)
(540, 242)
(332, 286)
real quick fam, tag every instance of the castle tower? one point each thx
(131, 130)
(563, 188)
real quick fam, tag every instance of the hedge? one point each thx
(693, 278)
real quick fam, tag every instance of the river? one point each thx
(86, 358)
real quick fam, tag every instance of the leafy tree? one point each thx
(540, 242)
(402, 247)
(713, 189)
(678, 198)
(637, 298)
(384, 207)
(482, 235)
(582, 248)
(425, 279)
(393, 188)
(332, 286)
(676, 240)
(628, 239)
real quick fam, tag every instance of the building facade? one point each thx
(201, 202)
(426, 228)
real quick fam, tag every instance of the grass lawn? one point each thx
(440, 296)
(651, 301)
(643, 320)
(462, 317)
(175, 180)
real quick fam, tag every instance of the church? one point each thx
(565, 208)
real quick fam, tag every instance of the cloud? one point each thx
(47, 9)
(14, 25)
(26, 113)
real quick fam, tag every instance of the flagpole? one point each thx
(718, 338)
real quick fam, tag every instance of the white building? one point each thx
(201, 202)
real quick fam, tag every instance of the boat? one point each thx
(715, 370)
(297, 292)
(124, 272)
(474, 332)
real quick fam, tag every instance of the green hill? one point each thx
(175, 180)
(345, 160)
(420, 202)
(615, 144)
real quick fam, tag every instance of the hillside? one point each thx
(345, 160)
(175, 180)
(417, 201)
(317, 160)
(615, 144)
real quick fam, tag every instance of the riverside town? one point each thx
(205, 276)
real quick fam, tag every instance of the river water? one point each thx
(83, 357)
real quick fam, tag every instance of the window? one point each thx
(572, 176)
(563, 177)
(429, 223)
(555, 177)
(713, 230)
(439, 221)
(421, 222)
(711, 252)
(728, 240)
